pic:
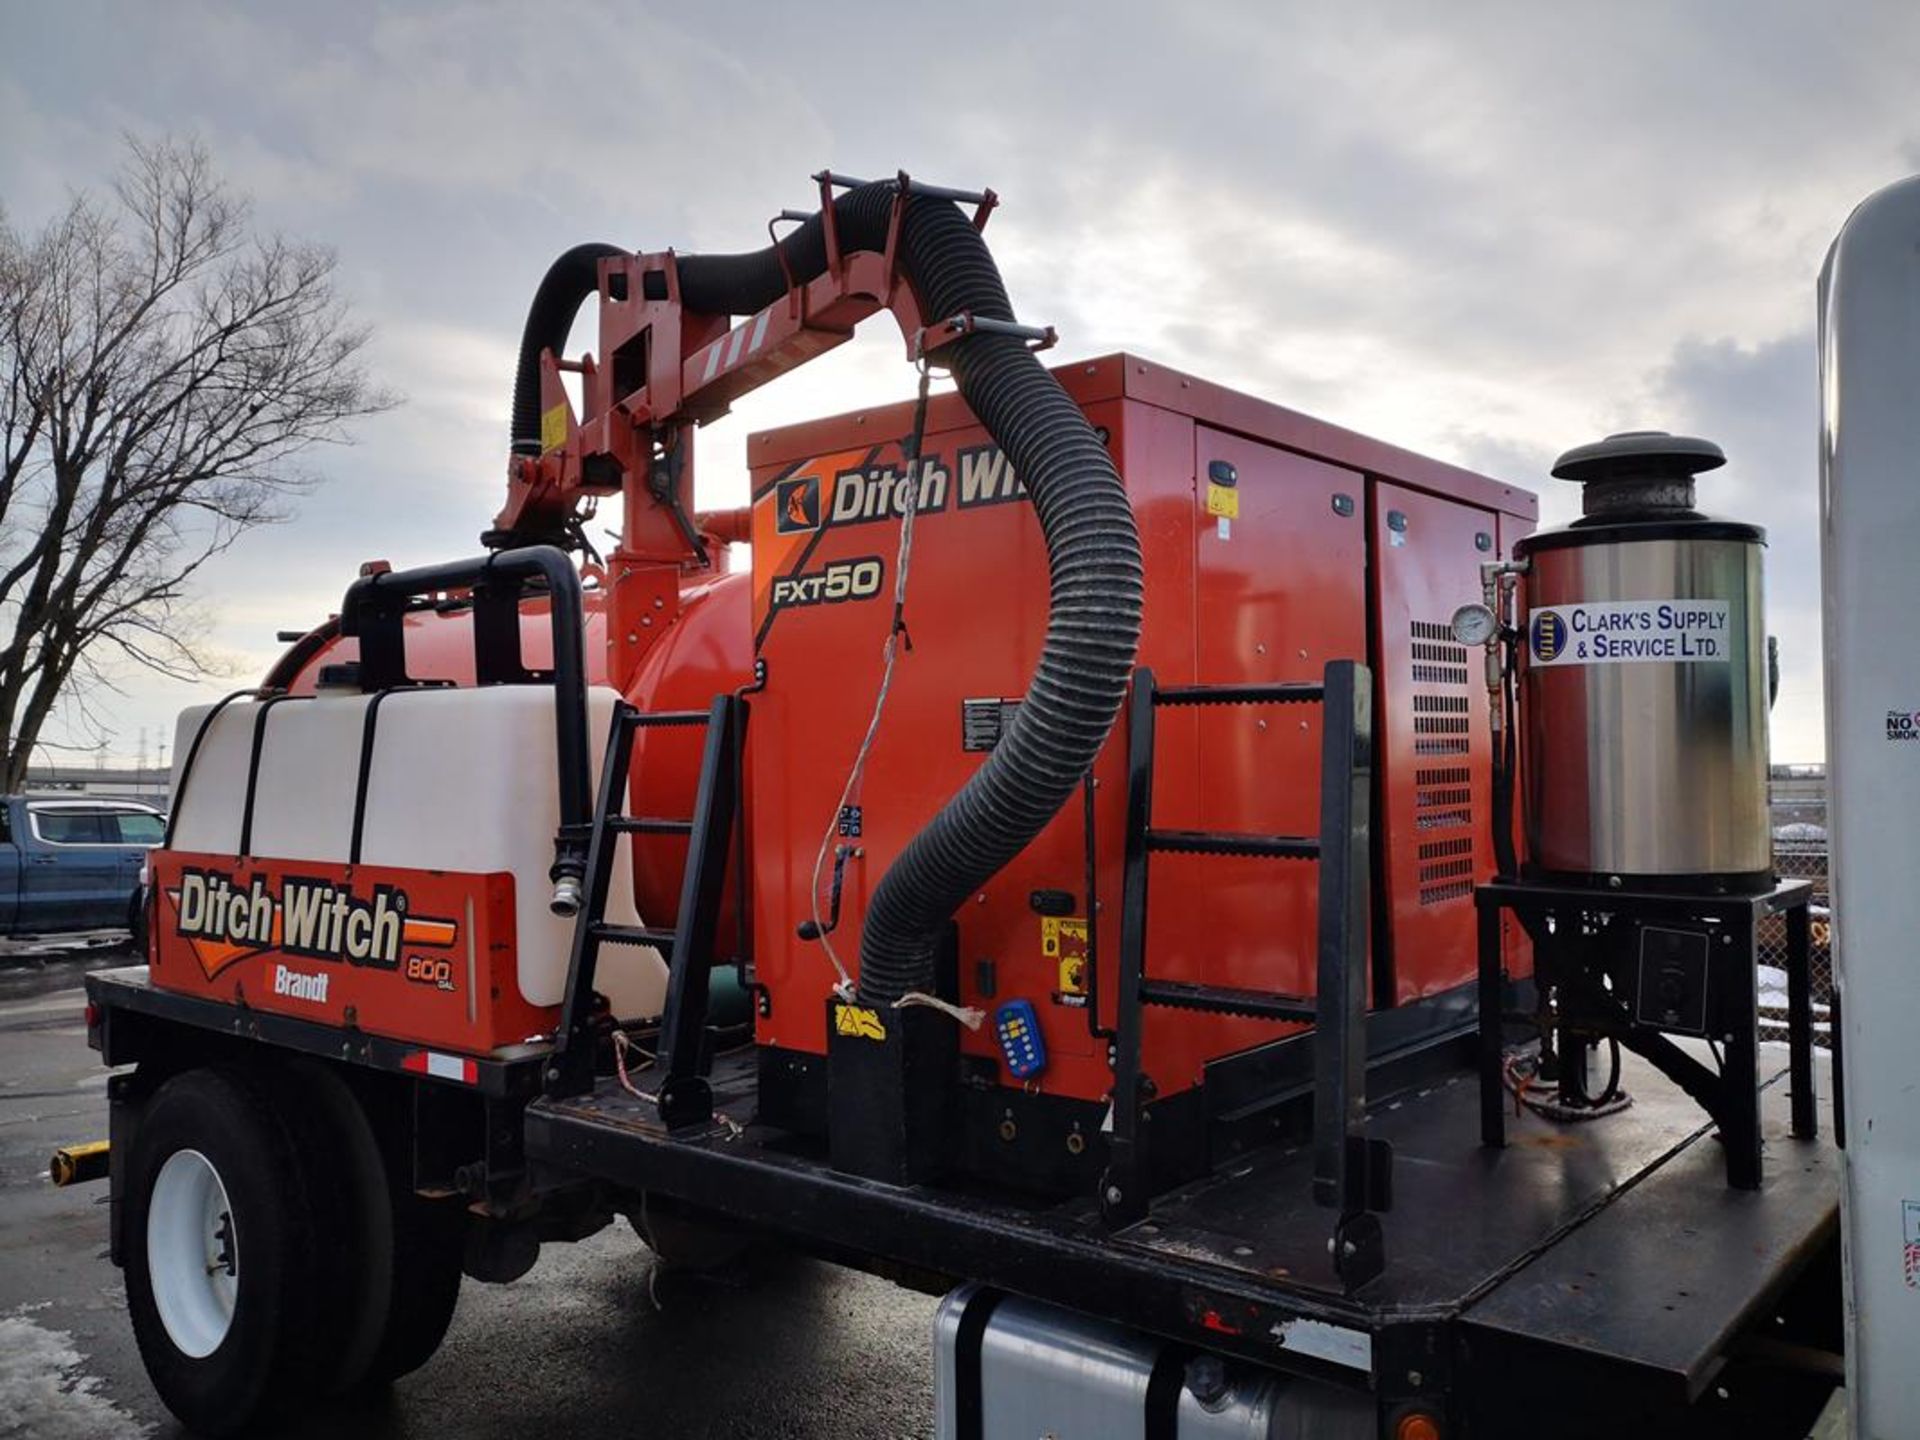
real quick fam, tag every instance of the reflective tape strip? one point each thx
(713, 362)
(733, 350)
(441, 1067)
(759, 333)
(1335, 1344)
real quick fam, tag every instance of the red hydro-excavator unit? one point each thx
(1050, 866)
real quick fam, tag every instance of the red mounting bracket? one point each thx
(935, 337)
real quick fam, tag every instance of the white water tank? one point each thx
(460, 779)
(1870, 534)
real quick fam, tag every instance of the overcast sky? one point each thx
(1487, 231)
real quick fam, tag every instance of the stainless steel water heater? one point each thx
(1644, 679)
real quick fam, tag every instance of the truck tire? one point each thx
(396, 1270)
(429, 1240)
(397, 1276)
(345, 1180)
(221, 1254)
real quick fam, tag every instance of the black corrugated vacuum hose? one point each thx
(566, 285)
(1093, 549)
(1093, 631)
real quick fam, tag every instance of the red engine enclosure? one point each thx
(1327, 545)
(1337, 546)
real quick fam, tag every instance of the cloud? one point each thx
(1761, 404)
(1488, 231)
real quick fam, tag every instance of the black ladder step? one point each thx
(647, 825)
(1225, 1000)
(1300, 693)
(1224, 842)
(631, 935)
(645, 719)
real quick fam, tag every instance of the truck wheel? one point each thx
(221, 1262)
(345, 1180)
(397, 1278)
(429, 1240)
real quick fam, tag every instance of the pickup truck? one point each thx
(73, 863)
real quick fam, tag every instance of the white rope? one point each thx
(967, 1015)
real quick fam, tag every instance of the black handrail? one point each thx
(374, 612)
(1351, 1171)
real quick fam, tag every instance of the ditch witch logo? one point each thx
(797, 505)
(979, 476)
(313, 918)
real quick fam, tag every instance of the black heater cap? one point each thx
(1638, 475)
(1639, 454)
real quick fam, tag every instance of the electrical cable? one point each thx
(1520, 1074)
(889, 654)
(622, 1044)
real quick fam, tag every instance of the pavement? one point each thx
(584, 1344)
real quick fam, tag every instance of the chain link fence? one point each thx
(1799, 853)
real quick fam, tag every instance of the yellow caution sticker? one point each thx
(858, 1021)
(553, 427)
(1223, 501)
(1063, 940)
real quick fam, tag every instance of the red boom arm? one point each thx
(661, 371)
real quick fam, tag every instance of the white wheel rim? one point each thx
(193, 1253)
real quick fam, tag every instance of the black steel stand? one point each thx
(1640, 966)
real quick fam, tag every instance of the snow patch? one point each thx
(45, 1394)
(1773, 996)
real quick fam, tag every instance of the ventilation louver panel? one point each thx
(1438, 659)
(1443, 794)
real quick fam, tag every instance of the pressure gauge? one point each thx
(1474, 625)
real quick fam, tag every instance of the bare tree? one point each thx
(161, 365)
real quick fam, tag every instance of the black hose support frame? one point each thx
(1093, 548)
(374, 612)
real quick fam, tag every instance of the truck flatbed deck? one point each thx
(1610, 1249)
(1491, 1254)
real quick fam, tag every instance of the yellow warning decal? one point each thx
(858, 1020)
(1223, 500)
(1054, 929)
(1073, 975)
(553, 427)
(1064, 941)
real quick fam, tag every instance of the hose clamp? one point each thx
(930, 338)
